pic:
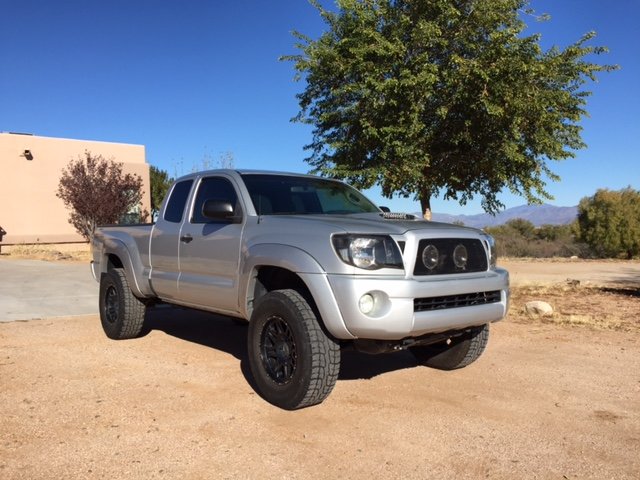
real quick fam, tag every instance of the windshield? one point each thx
(290, 195)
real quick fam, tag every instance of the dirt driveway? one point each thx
(600, 272)
(545, 401)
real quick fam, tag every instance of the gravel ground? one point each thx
(544, 401)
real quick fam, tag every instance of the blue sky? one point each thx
(196, 79)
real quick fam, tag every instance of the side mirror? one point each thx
(384, 209)
(219, 210)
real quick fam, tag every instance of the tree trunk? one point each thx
(425, 204)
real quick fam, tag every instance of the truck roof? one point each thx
(230, 171)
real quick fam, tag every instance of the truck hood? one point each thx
(369, 223)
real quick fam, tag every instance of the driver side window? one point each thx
(213, 188)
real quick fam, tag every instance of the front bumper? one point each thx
(394, 317)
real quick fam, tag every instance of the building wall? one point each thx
(30, 212)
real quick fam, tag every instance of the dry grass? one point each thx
(49, 252)
(591, 306)
(565, 260)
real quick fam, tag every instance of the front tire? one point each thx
(294, 363)
(456, 352)
(121, 313)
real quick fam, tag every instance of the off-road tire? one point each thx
(457, 352)
(121, 313)
(294, 363)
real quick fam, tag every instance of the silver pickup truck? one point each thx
(313, 266)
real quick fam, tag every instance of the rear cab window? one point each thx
(174, 211)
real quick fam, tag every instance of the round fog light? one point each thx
(366, 303)
(430, 257)
(460, 256)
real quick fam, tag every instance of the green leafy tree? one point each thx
(441, 97)
(98, 192)
(554, 232)
(160, 184)
(609, 222)
(524, 227)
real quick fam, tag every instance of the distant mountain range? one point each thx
(537, 214)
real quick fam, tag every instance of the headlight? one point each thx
(368, 251)
(490, 245)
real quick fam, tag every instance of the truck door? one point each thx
(164, 248)
(210, 250)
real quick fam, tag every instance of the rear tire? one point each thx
(121, 312)
(456, 352)
(294, 363)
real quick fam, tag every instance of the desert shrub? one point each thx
(520, 238)
(609, 222)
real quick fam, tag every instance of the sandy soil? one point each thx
(546, 400)
(596, 272)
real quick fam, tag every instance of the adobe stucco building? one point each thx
(30, 169)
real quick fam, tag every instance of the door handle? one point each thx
(186, 238)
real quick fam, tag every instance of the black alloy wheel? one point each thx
(278, 348)
(111, 305)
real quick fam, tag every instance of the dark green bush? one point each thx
(520, 238)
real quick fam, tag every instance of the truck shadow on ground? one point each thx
(224, 334)
(627, 277)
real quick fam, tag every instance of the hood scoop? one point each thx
(398, 216)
